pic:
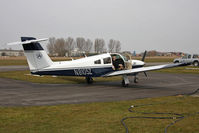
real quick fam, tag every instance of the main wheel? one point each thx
(195, 63)
(89, 80)
(124, 85)
(135, 80)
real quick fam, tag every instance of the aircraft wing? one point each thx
(144, 69)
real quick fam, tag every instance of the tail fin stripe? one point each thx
(32, 46)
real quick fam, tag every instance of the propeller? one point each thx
(143, 58)
(144, 55)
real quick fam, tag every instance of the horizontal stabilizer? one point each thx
(28, 41)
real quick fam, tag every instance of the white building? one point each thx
(6, 52)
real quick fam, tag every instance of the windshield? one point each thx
(118, 56)
(126, 56)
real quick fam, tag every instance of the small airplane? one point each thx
(103, 65)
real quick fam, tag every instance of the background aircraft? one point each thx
(103, 65)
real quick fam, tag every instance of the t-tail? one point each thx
(36, 56)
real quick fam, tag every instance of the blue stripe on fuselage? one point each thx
(91, 72)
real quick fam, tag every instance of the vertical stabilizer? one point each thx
(36, 56)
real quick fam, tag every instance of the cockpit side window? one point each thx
(118, 62)
(107, 60)
(97, 62)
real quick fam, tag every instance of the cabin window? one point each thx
(97, 62)
(107, 60)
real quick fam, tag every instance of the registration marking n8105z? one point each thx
(83, 71)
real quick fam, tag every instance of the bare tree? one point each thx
(80, 43)
(99, 45)
(103, 46)
(96, 46)
(118, 46)
(111, 45)
(69, 45)
(51, 45)
(88, 46)
(59, 47)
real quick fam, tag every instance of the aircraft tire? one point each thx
(135, 80)
(124, 85)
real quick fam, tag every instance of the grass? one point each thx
(25, 76)
(10, 61)
(156, 59)
(100, 117)
(181, 70)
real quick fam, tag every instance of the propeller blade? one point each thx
(144, 55)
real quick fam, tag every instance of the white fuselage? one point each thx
(84, 66)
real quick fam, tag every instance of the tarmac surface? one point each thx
(13, 68)
(21, 93)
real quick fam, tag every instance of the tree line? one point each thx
(61, 46)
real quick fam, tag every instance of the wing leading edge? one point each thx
(144, 69)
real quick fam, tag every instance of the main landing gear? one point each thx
(125, 81)
(135, 79)
(89, 80)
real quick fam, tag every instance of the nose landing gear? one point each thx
(125, 81)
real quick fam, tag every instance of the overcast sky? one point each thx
(163, 25)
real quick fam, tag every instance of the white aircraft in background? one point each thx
(103, 65)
